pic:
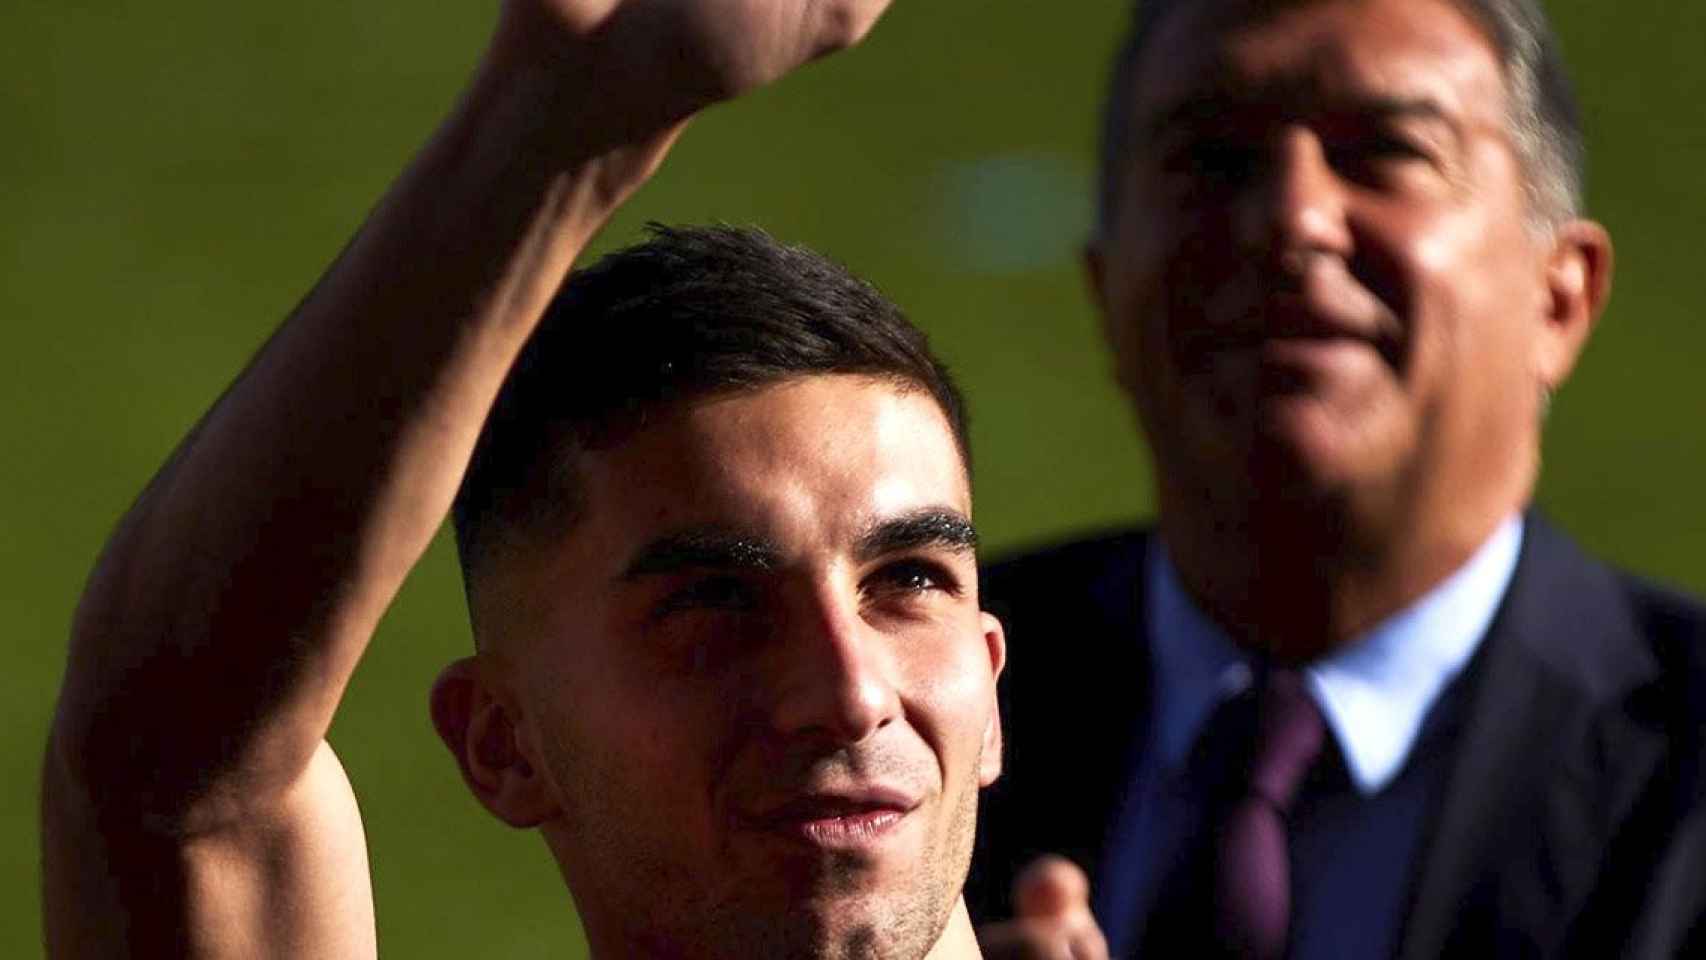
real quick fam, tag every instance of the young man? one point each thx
(716, 533)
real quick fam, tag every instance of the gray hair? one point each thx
(1543, 120)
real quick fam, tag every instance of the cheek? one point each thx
(1131, 309)
(1180, 269)
(1473, 302)
(1450, 269)
(952, 699)
(608, 739)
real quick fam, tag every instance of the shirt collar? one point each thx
(1374, 693)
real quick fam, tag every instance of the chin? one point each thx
(1313, 449)
(1288, 455)
(866, 931)
(818, 914)
(1299, 449)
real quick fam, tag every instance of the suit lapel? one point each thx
(1071, 702)
(1548, 763)
(1122, 700)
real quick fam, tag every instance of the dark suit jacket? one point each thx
(1573, 823)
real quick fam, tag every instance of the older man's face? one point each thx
(756, 679)
(1324, 280)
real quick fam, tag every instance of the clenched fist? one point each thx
(665, 59)
(1052, 920)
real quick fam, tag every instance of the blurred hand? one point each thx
(1052, 921)
(672, 57)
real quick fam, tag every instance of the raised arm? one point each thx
(191, 806)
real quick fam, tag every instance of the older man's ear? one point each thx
(1578, 284)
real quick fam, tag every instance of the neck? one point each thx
(958, 940)
(1297, 583)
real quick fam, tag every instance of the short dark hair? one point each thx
(1544, 120)
(690, 312)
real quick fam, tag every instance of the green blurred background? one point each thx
(173, 179)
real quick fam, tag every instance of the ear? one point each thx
(1095, 259)
(482, 734)
(1117, 336)
(1095, 273)
(995, 637)
(1578, 282)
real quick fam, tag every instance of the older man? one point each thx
(716, 532)
(1351, 698)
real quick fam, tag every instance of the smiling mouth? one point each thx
(835, 822)
(1284, 345)
(1320, 304)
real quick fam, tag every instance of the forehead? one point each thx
(1298, 54)
(807, 463)
(807, 466)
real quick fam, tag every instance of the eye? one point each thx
(910, 577)
(1225, 160)
(713, 593)
(1367, 158)
(1395, 144)
(1213, 159)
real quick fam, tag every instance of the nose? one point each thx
(1299, 207)
(834, 676)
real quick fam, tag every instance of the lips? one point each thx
(1294, 316)
(835, 818)
(1283, 322)
(1290, 295)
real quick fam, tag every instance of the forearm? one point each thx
(231, 605)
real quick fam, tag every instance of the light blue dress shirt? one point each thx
(1375, 695)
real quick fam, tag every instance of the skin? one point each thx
(191, 806)
(1051, 917)
(769, 743)
(1335, 318)
(1332, 309)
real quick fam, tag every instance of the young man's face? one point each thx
(754, 681)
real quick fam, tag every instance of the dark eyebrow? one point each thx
(1403, 108)
(1193, 111)
(1185, 113)
(928, 527)
(704, 548)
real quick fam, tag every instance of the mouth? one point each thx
(1291, 330)
(836, 820)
